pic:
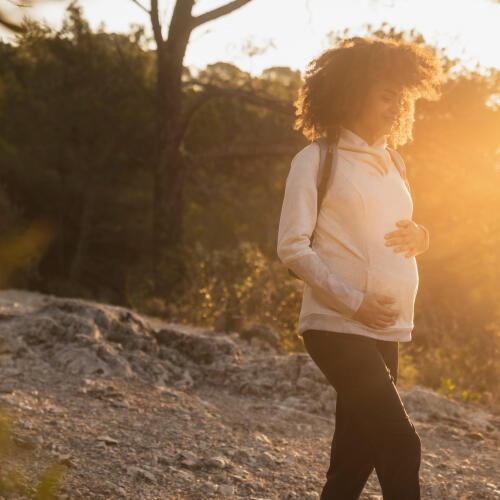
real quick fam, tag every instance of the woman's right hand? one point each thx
(376, 311)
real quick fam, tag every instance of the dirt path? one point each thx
(129, 437)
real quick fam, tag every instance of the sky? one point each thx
(295, 31)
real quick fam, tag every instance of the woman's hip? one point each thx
(352, 362)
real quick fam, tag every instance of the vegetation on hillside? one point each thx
(77, 153)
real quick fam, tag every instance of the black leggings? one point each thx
(372, 428)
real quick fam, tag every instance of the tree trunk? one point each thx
(168, 261)
(169, 264)
(84, 232)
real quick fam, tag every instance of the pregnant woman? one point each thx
(360, 273)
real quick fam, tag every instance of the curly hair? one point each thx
(338, 80)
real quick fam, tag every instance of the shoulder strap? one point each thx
(327, 164)
(400, 165)
(323, 148)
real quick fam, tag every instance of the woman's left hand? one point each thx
(411, 237)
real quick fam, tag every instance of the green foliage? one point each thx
(76, 144)
(242, 281)
(78, 148)
(447, 386)
(470, 396)
(13, 479)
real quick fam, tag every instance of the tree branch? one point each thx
(246, 151)
(218, 12)
(141, 6)
(212, 91)
(155, 23)
(7, 23)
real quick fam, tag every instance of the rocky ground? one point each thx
(134, 408)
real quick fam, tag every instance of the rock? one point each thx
(290, 458)
(25, 442)
(268, 446)
(439, 492)
(267, 459)
(254, 485)
(108, 440)
(209, 487)
(121, 491)
(262, 438)
(217, 462)
(186, 382)
(226, 490)
(135, 471)
(189, 460)
(81, 361)
(476, 436)
(307, 385)
(311, 495)
(199, 348)
(284, 387)
(66, 459)
(241, 455)
(311, 371)
(263, 333)
(421, 402)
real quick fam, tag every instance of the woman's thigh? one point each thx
(356, 367)
(348, 361)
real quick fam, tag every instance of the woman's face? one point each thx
(381, 107)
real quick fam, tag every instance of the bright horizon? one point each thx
(475, 42)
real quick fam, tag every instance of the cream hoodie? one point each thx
(365, 198)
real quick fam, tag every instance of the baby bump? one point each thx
(399, 282)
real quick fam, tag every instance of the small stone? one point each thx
(290, 458)
(254, 485)
(476, 436)
(25, 442)
(267, 459)
(311, 495)
(108, 440)
(226, 490)
(218, 462)
(66, 459)
(121, 491)
(189, 460)
(241, 454)
(132, 470)
(210, 487)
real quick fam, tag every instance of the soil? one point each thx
(128, 412)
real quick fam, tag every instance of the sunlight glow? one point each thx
(296, 31)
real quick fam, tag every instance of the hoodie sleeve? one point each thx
(297, 222)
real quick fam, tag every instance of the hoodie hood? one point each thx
(375, 155)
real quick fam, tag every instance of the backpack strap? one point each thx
(323, 149)
(397, 159)
(327, 164)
